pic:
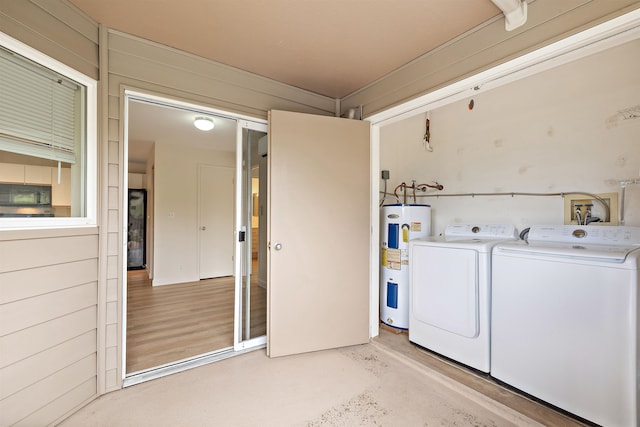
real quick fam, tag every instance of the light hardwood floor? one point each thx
(173, 322)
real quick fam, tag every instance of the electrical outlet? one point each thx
(584, 202)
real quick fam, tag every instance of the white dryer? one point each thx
(565, 322)
(450, 291)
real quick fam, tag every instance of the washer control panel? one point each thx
(480, 231)
(587, 234)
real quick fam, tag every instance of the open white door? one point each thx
(319, 233)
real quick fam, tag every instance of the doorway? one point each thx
(215, 221)
(253, 220)
(191, 302)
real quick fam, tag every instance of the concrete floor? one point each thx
(388, 382)
(477, 381)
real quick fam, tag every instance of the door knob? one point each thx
(203, 228)
(277, 246)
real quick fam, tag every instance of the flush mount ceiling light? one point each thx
(203, 123)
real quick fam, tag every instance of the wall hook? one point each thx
(427, 135)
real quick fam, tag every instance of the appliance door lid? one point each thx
(602, 253)
(444, 288)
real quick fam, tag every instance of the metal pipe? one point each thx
(515, 193)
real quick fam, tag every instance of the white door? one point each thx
(216, 237)
(319, 233)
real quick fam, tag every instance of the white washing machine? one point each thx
(564, 324)
(450, 290)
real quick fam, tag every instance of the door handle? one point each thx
(203, 228)
(277, 246)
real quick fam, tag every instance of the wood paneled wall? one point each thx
(49, 283)
(55, 28)
(48, 323)
(548, 21)
(139, 63)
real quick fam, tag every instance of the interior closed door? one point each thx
(216, 242)
(319, 233)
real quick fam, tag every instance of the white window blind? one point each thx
(40, 110)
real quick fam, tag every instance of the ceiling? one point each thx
(329, 47)
(151, 123)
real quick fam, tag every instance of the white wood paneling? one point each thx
(72, 400)
(235, 82)
(21, 284)
(28, 400)
(168, 70)
(22, 344)
(24, 254)
(48, 277)
(54, 28)
(45, 363)
(42, 308)
(75, 19)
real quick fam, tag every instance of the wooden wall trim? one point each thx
(103, 219)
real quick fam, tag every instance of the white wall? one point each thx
(558, 131)
(176, 210)
(137, 180)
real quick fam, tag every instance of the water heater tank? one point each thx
(400, 223)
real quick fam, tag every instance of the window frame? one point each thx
(90, 185)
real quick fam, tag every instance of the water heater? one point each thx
(400, 223)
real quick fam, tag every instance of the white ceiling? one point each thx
(153, 123)
(329, 47)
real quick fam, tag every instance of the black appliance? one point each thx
(137, 230)
(19, 200)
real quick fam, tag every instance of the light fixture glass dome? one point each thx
(203, 123)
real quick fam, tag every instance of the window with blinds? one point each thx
(41, 110)
(48, 138)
